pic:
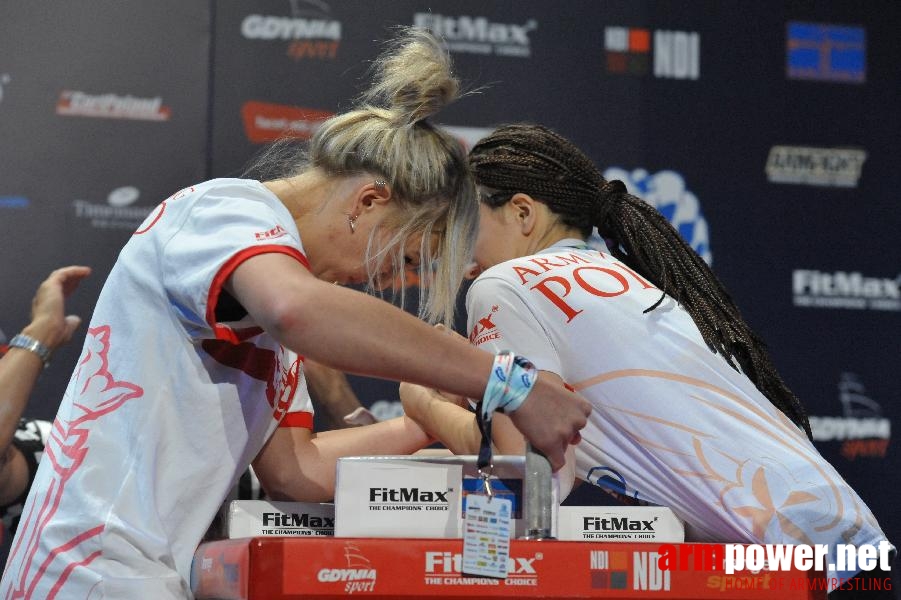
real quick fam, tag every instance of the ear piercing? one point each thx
(382, 185)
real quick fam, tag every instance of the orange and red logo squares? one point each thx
(609, 569)
(628, 49)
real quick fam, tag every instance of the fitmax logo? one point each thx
(475, 29)
(617, 524)
(484, 329)
(848, 290)
(447, 562)
(478, 35)
(276, 519)
(406, 495)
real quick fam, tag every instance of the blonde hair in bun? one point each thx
(388, 135)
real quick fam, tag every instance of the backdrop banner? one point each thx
(766, 132)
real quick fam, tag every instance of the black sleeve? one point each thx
(29, 441)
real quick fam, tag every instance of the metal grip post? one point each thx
(538, 498)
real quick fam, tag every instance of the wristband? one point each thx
(497, 382)
(522, 377)
(510, 382)
(26, 342)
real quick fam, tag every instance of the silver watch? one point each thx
(26, 342)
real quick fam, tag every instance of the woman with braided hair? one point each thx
(192, 364)
(688, 410)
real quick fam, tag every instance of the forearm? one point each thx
(20, 368)
(450, 424)
(313, 480)
(331, 393)
(360, 334)
(399, 435)
(19, 371)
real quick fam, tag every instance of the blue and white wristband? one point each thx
(512, 378)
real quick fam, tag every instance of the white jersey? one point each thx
(673, 424)
(168, 404)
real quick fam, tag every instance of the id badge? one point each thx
(486, 536)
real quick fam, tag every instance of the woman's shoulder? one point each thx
(240, 187)
(524, 269)
(503, 277)
(227, 191)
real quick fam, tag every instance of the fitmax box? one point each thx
(619, 524)
(253, 518)
(418, 496)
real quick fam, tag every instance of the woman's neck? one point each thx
(552, 236)
(303, 193)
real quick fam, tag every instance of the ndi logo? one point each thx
(647, 574)
(676, 54)
(666, 191)
(609, 569)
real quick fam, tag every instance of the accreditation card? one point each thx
(486, 536)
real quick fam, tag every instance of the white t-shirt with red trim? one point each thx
(673, 424)
(175, 392)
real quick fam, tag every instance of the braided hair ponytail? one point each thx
(537, 161)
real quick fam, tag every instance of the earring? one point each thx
(381, 184)
(352, 221)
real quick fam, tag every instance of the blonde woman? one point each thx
(192, 366)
